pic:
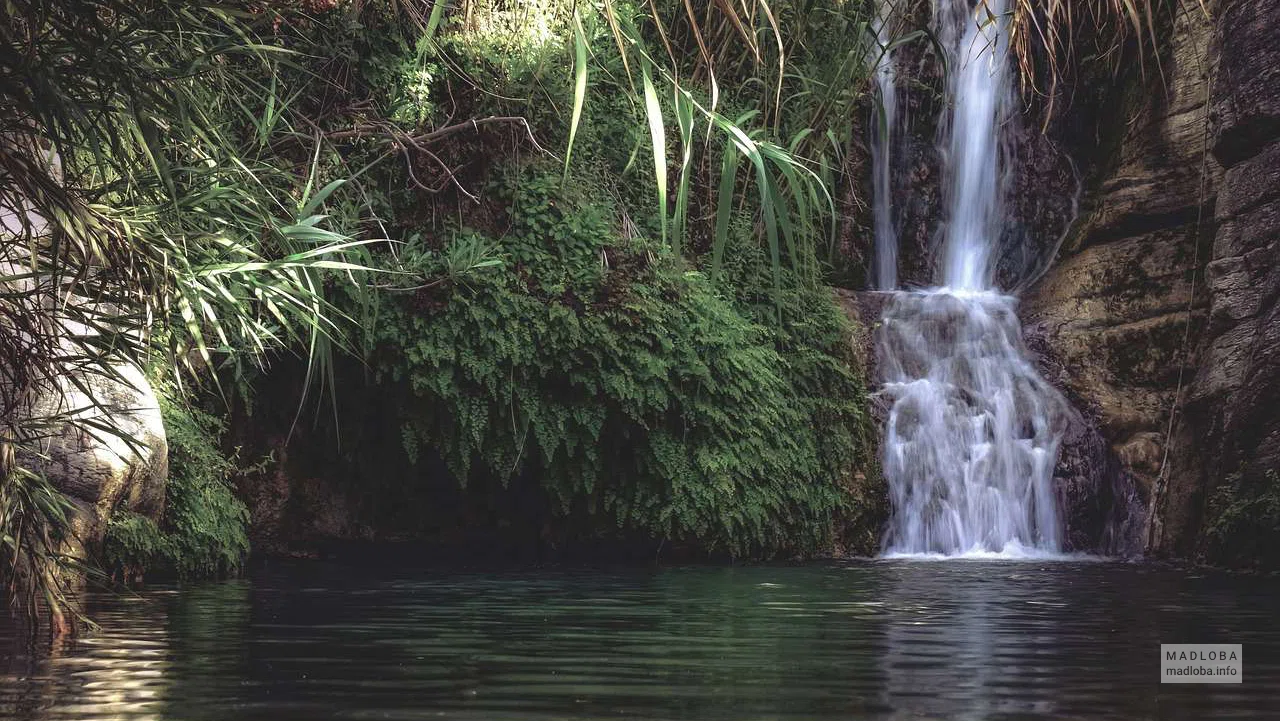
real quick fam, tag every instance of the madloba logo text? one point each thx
(1201, 663)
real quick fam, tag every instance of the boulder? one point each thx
(95, 432)
(100, 471)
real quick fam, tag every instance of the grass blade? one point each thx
(684, 117)
(658, 138)
(433, 22)
(579, 87)
(724, 205)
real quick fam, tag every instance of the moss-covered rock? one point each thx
(203, 530)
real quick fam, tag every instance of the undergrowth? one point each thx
(203, 529)
(1244, 522)
(573, 336)
(628, 385)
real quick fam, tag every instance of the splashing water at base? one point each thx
(972, 434)
(1013, 551)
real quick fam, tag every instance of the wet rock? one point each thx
(1101, 498)
(1121, 308)
(1103, 509)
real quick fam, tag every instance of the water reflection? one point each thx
(137, 665)
(876, 640)
(121, 671)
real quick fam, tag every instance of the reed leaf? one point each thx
(579, 87)
(724, 204)
(684, 119)
(658, 143)
(433, 21)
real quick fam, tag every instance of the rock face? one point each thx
(1229, 429)
(1120, 301)
(101, 472)
(1160, 310)
(291, 512)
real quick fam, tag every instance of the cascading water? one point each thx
(972, 433)
(978, 88)
(882, 139)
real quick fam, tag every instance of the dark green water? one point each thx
(873, 640)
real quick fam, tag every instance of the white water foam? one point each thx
(1014, 551)
(972, 434)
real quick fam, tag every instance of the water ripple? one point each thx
(872, 640)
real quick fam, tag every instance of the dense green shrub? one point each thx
(626, 384)
(203, 532)
(633, 391)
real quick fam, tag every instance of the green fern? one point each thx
(633, 391)
(204, 529)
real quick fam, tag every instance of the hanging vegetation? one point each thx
(148, 221)
(646, 189)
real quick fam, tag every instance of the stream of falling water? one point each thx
(882, 140)
(972, 434)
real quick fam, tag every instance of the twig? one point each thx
(387, 131)
(379, 128)
(408, 165)
(452, 173)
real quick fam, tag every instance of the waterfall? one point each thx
(882, 140)
(972, 433)
(978, 88)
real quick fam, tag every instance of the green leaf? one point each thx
(579, 87)
(309, 208)
(433, 22)
(658, 139)
(684, 117)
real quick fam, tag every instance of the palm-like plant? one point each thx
(147, 213)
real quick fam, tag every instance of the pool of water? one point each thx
(862, 640)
